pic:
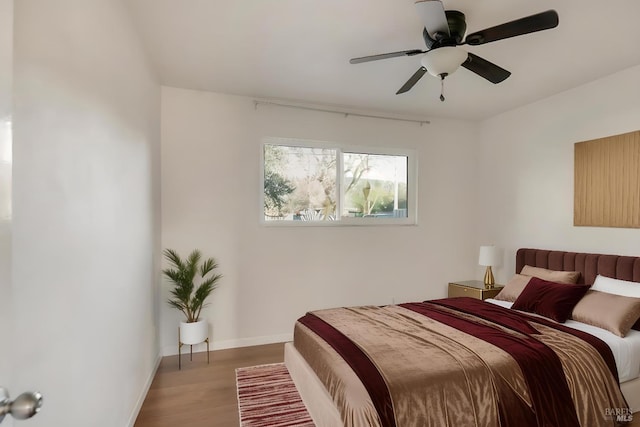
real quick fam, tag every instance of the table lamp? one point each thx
(489, 256)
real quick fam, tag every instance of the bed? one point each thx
(494, 384)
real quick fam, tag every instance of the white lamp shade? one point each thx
(489, 256)
(443, 60)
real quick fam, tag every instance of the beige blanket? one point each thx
(440, 376)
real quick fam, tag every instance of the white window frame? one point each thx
(412, 184)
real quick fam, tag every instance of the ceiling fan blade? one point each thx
(412, 80)
(486, 69)
(386, 55)
(530, 24)
(433, 17)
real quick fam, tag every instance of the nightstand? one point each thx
(473, 289)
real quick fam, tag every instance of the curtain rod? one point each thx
(257, 102)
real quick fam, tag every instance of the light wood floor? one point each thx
(201, 395)
(205, 395)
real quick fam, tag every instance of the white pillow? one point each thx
(616, 286)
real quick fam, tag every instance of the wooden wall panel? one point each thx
(607, 182)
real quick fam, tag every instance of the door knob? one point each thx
(24, 406)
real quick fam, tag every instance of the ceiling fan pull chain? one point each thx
(442, 87)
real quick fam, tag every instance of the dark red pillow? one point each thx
(550, 299)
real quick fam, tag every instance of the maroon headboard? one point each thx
(589, 265)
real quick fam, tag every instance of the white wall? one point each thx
(86, 211)
(210, 200)
(526, 168)
(6, 71)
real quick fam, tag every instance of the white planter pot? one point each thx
(194, 333)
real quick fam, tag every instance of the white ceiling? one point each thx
(299, 50)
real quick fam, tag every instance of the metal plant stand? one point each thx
(180, 344)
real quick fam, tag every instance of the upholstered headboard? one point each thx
(589, 265)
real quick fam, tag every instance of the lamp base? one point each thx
(489, 281)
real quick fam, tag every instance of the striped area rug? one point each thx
(267, 397)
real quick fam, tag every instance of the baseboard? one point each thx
(145, 391)
(221, 345)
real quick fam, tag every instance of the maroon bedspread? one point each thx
(359, 362)
(506, 317)
(540, 365)
(549, 401)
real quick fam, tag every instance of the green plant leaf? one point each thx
(185, 296)
(173, 257)
(208, 266)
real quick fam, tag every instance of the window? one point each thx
(307, 182)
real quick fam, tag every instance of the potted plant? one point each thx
(192, 282)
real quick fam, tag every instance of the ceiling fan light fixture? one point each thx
(444, 31)
(443, 60)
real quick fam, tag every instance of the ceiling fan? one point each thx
(443, 34)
